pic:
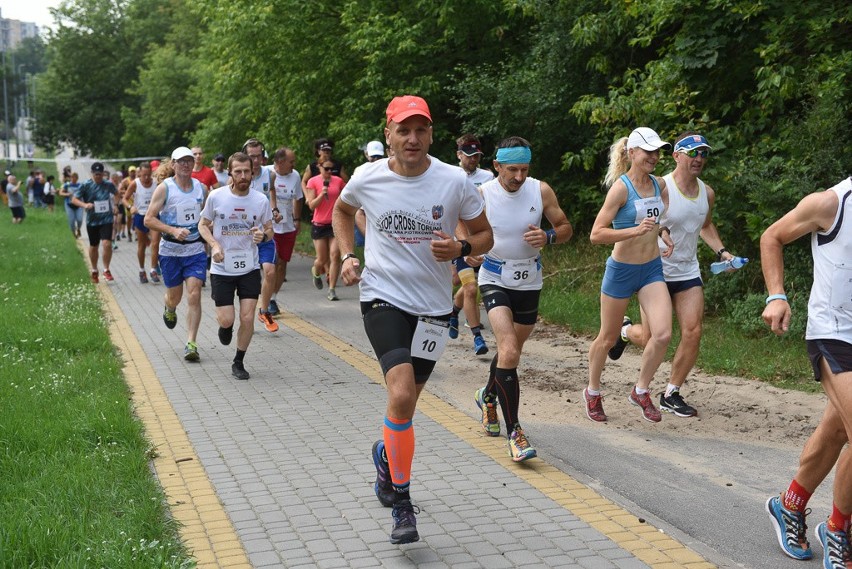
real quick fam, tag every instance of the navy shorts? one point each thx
(177, 269)
(321, 232)
(139, 222)
(680, 286)
(837, 354)
(623, 280)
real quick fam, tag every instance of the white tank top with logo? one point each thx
(182, 209)
(261, 183)
(830, 304)
(142, 196)
(510, 215)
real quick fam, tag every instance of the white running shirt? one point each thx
(684, 216)
(233, 217)
(402, 213)
(142, 196)
(287, 189)
(830, 303)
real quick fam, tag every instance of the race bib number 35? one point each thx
(430, 339)
(238, 262)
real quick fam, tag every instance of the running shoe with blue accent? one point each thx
(519, 447)
(790, 529)
(836, 553)
(190, 352)
(404, 523)
(490, 421)
(479, 346)
(273, 308)
(454, 326)
(384, 485)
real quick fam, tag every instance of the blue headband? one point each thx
(514, 155)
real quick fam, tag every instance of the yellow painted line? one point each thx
(646, 542)
(205, 528)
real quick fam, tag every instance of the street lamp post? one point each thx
(5, 105)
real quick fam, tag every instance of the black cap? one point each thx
(219, 156)
(97, 167)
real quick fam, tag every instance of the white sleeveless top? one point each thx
(142, 196)
(182, 209)
(510, 215)
(261, 183)
(288, 188)
(685, 217)
(830, 304)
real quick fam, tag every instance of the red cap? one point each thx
(155, 164)
(400, 108)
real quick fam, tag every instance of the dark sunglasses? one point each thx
(693, 153)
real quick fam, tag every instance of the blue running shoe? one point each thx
(273, 308)
(384, 485)
(404, 523)
(479, 347)
(790, 528)
(836, 553)
(454, 326)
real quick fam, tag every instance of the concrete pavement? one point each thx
(276, 471)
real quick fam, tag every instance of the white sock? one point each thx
(593, 392)
(274, 297)
(671, 388)
(640, 391)
(624, 332)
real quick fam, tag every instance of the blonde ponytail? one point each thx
(618, 162)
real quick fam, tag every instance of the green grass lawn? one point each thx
(76, 488)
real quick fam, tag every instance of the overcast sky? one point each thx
(29, 11)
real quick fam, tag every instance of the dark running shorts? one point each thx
(321, 232)
(245, 286)
(98, 233)
(837, 354)
(522, 303)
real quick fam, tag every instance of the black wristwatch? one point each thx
(466, 248)
(719, 253)
(348, 256)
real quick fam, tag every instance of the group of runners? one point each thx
(428, 224)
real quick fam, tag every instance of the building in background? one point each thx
(13, 31)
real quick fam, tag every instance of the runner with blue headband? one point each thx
(510, 280)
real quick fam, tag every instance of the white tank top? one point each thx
(510, 215)
(685, 217)
(261, 183)
(288, 188)
(142, 196)
(830, 304)
(182, 209)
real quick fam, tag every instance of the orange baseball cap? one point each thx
(401, 108)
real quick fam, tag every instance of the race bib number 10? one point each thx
(430, 339)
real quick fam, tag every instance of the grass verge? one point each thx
(76, 489)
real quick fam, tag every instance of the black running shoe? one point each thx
(404, 523)
(238, 370)
(170, 318)
(674, 403)
(383, 485)
(618, 349)
(225, 335)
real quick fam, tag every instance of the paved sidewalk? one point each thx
(287, 454)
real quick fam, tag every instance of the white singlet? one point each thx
(510, 215)
(142, 196)
(480, 176)
(830, 304)
(233, 217)
(684, 216)
(182, 209)
(402, 214)
(261, 183)
(288, 188)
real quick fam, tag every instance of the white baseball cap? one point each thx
(181, 152)
(646, 139)
(375, 148)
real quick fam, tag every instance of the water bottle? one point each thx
(735, 263)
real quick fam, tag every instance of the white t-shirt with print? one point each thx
(233, 217)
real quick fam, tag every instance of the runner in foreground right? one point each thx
(413, 203)
(827, 216)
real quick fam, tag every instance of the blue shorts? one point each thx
(623, 280)
(139, 222)
(177, 269)
(836, 353)
(266, 251)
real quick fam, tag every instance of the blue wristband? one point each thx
(772, 297)
(551, 236)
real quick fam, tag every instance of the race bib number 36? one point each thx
(430, 339)
(516, 273)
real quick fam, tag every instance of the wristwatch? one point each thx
(347, 256)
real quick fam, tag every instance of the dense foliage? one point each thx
(766, 80)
